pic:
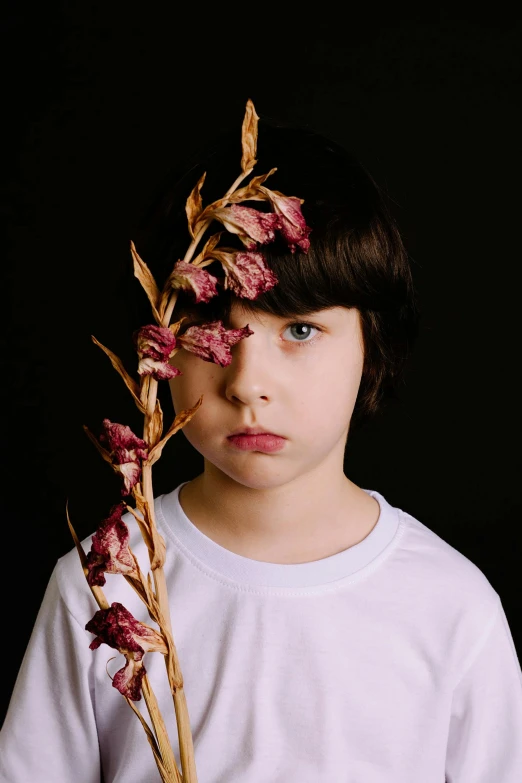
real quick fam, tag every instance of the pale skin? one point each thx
(295, 505)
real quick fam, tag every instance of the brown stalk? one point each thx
(146, 397)
(160, 744)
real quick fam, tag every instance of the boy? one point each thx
(323, 634)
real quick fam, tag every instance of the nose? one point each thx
(248, 378)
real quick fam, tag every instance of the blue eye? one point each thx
(306, 327)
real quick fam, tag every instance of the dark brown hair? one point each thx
(356, 257)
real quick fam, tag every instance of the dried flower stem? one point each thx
(167, 754)
(149, 396)
(186, 746)
(160, 744)
(153, 744)
(156, 343)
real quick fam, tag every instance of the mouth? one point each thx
(254, 431)
(261, 441)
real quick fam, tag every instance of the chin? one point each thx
(262, 477)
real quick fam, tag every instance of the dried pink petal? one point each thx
(292, 223)
(212, 341)
(192, 278)
(158, 342)
(126, 451)
(155, 346)
(128, 680)
(118, 628)
(110, 551)
(247, 274)
(123, 442)
(251, 225)
(162, 371)
(131, 473)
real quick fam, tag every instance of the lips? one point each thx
(254, 431)
(263, 441)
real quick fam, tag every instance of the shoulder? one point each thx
(72, 584)
(447, 585)
(447, 566)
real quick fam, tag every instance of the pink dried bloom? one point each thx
(155, 345)
(126, 450)
(251, 225)
(131, 474)
(199, 281)
(247, 274)
(110, 551)
(128, 680)
(118, 628)
(292, 224)
(212, 341)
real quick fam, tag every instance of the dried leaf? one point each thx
(194, 205)
(165, 778)
(83, 556)
(96, 591)
(144, 393)
(144, 275)
(105, 454)
(249, 138)
(165, 297)
(208, 248)
(175, 327)
(167, 764)
(144, 527)
(207, 214)
(130, 383)
(159, 549)
(141, 502)
(155, 428)
(253, 191)
(181, 419)
(155, 543)
(137, 585)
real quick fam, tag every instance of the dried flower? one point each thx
(118, 628)
(126, 451)
(212, 341)
(191, 277)
(110, 551)
(155, 345)
(292, 224)
(246, 273)
(251, 225)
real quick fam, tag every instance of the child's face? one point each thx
(305, 393)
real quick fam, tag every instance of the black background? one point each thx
(100, 102)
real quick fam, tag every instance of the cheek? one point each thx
(334, 388)
(198, 376)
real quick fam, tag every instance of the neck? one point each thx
(309, 518)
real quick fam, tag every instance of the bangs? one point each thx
(333, 273)
(307, 282)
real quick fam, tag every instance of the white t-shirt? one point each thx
(389, 662)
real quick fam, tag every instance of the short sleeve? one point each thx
(485, 735)
(49, 733)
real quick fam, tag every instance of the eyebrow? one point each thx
(197, 315)
(288, 316)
